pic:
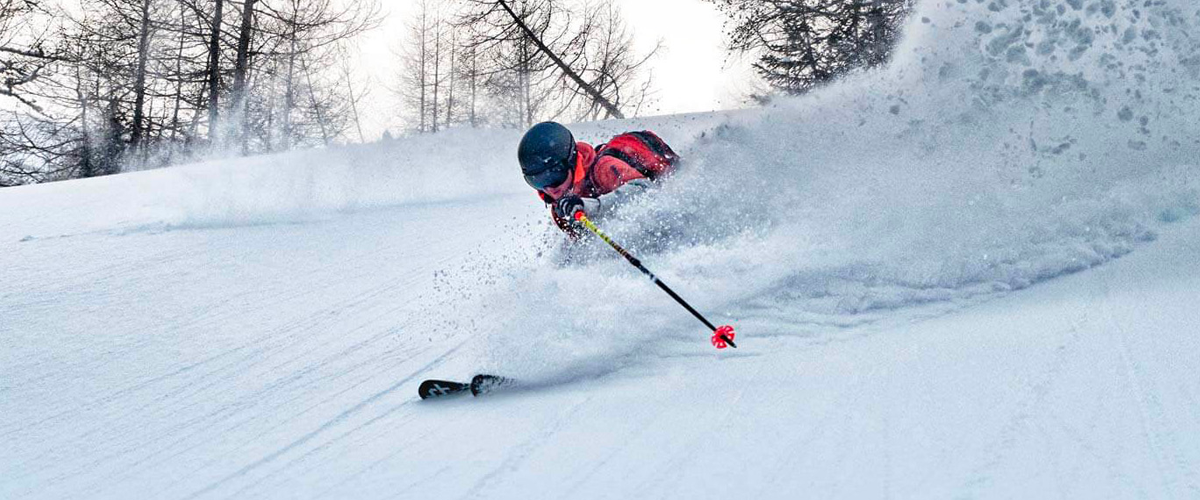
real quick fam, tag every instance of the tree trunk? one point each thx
(450, 89)
(178, 83)
(110, 156)
(526, 79)
(474, 81)
(268, 133)
(86, 169)
(437, 77)
(139, 79)
(354, 104)
(214, 75)
(289, 94)
(240, 74)
(423, 63)
(312, 97)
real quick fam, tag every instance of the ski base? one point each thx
(479, 385)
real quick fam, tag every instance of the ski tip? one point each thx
(483, 384)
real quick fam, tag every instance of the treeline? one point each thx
(518, 62)
(111, 85)
(513, 63)
(803, 44)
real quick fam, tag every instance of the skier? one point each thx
(570, 176)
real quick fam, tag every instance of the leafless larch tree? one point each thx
(131, 84)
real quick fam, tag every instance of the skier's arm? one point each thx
(592, 207)
(606, 202)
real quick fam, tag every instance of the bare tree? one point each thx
(519, 76)
(555, 57)
(803, 44)
(533, 37)
(306, 34)
(452, 55)
(469, 55)
(417, 82)
(121, 84)
(354, 94)
(612, 67)
(241, 68)
(24, 52)
(64, 140)
(139, 76)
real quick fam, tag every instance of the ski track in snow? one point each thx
(321, 402)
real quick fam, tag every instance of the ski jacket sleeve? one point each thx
(605, 202)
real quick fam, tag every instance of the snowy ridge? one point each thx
(294, 187)
(286, 188)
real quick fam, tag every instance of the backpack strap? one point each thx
(620, 155)
(656, 144)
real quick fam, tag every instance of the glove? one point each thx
(566, 206)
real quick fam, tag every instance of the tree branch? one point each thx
(595, 95)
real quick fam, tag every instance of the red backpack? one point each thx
(643, 151)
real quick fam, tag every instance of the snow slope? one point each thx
(969, 274)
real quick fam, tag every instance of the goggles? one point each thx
(554, 174)
(547, 179)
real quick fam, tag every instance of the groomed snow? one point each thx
(969, 274)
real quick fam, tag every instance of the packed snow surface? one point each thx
(971, 273)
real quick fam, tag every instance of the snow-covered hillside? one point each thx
(969, 274)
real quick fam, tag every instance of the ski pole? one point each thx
(721, 336)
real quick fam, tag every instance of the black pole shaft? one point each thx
(638, 264)
(671, 292)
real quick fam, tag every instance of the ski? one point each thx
(479, 385)
(441, 388)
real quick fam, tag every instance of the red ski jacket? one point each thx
(626, 164)
(593, 176)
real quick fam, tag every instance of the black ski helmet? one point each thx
(547, 155)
